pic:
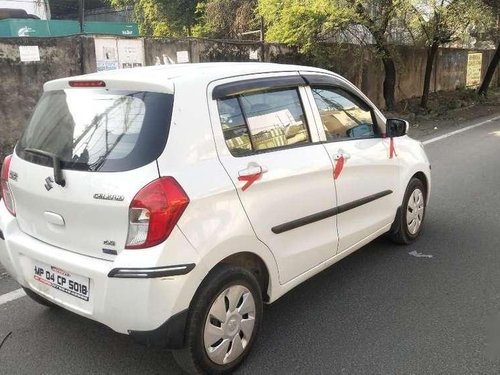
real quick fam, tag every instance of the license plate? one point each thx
(54, 277)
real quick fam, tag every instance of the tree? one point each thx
(226, 18)
(492, 66)
(163, 17)
(378, 24)
(438, 22)
(308, 24)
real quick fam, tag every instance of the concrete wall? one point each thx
(202, 50)
(21, 82)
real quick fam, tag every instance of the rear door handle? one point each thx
(251, 174)
(252, 170)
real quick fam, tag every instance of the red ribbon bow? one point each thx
(249, 180)
(392, 149)
(338, 167)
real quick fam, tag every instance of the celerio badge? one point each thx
(109, 197)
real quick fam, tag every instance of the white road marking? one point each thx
(4, 298)
(420, 255)
(455, 132)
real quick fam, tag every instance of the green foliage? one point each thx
(420, 22)
(163, 17)
(304, 23)
(226, 19)
(494, 6)
(309, 23)
(447, 21)
(206, 18)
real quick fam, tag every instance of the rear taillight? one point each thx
(5, 192)
(154, 212)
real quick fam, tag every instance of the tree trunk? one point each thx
(379, 34)
(389, 73)
(431, 56)
(483, 90)
(389, 82)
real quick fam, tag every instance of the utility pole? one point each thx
(262, 40)
(81, 15)
(262, 37)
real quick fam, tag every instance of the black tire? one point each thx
(400, 232)
(194, 358)
(38, 299)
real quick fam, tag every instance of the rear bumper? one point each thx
(144, 307)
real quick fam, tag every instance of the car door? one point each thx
(366, 174)
(283, 175)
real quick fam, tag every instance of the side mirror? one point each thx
(396, 127)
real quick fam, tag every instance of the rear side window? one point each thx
(98, 129)
(263, 120)
(234, 127)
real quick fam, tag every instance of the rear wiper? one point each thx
(56, 164)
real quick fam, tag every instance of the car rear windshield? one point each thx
(98, 129)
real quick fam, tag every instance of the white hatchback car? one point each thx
(169, 203)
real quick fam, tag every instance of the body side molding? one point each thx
(328, 213)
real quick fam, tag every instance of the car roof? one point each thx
(165, 75)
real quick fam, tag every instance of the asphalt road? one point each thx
(379, 311)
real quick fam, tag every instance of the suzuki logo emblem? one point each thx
(48, 183)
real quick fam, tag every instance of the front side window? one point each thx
(343, 115)
(264, 120)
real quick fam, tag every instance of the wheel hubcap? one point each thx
(415, 211)
(229, 325)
